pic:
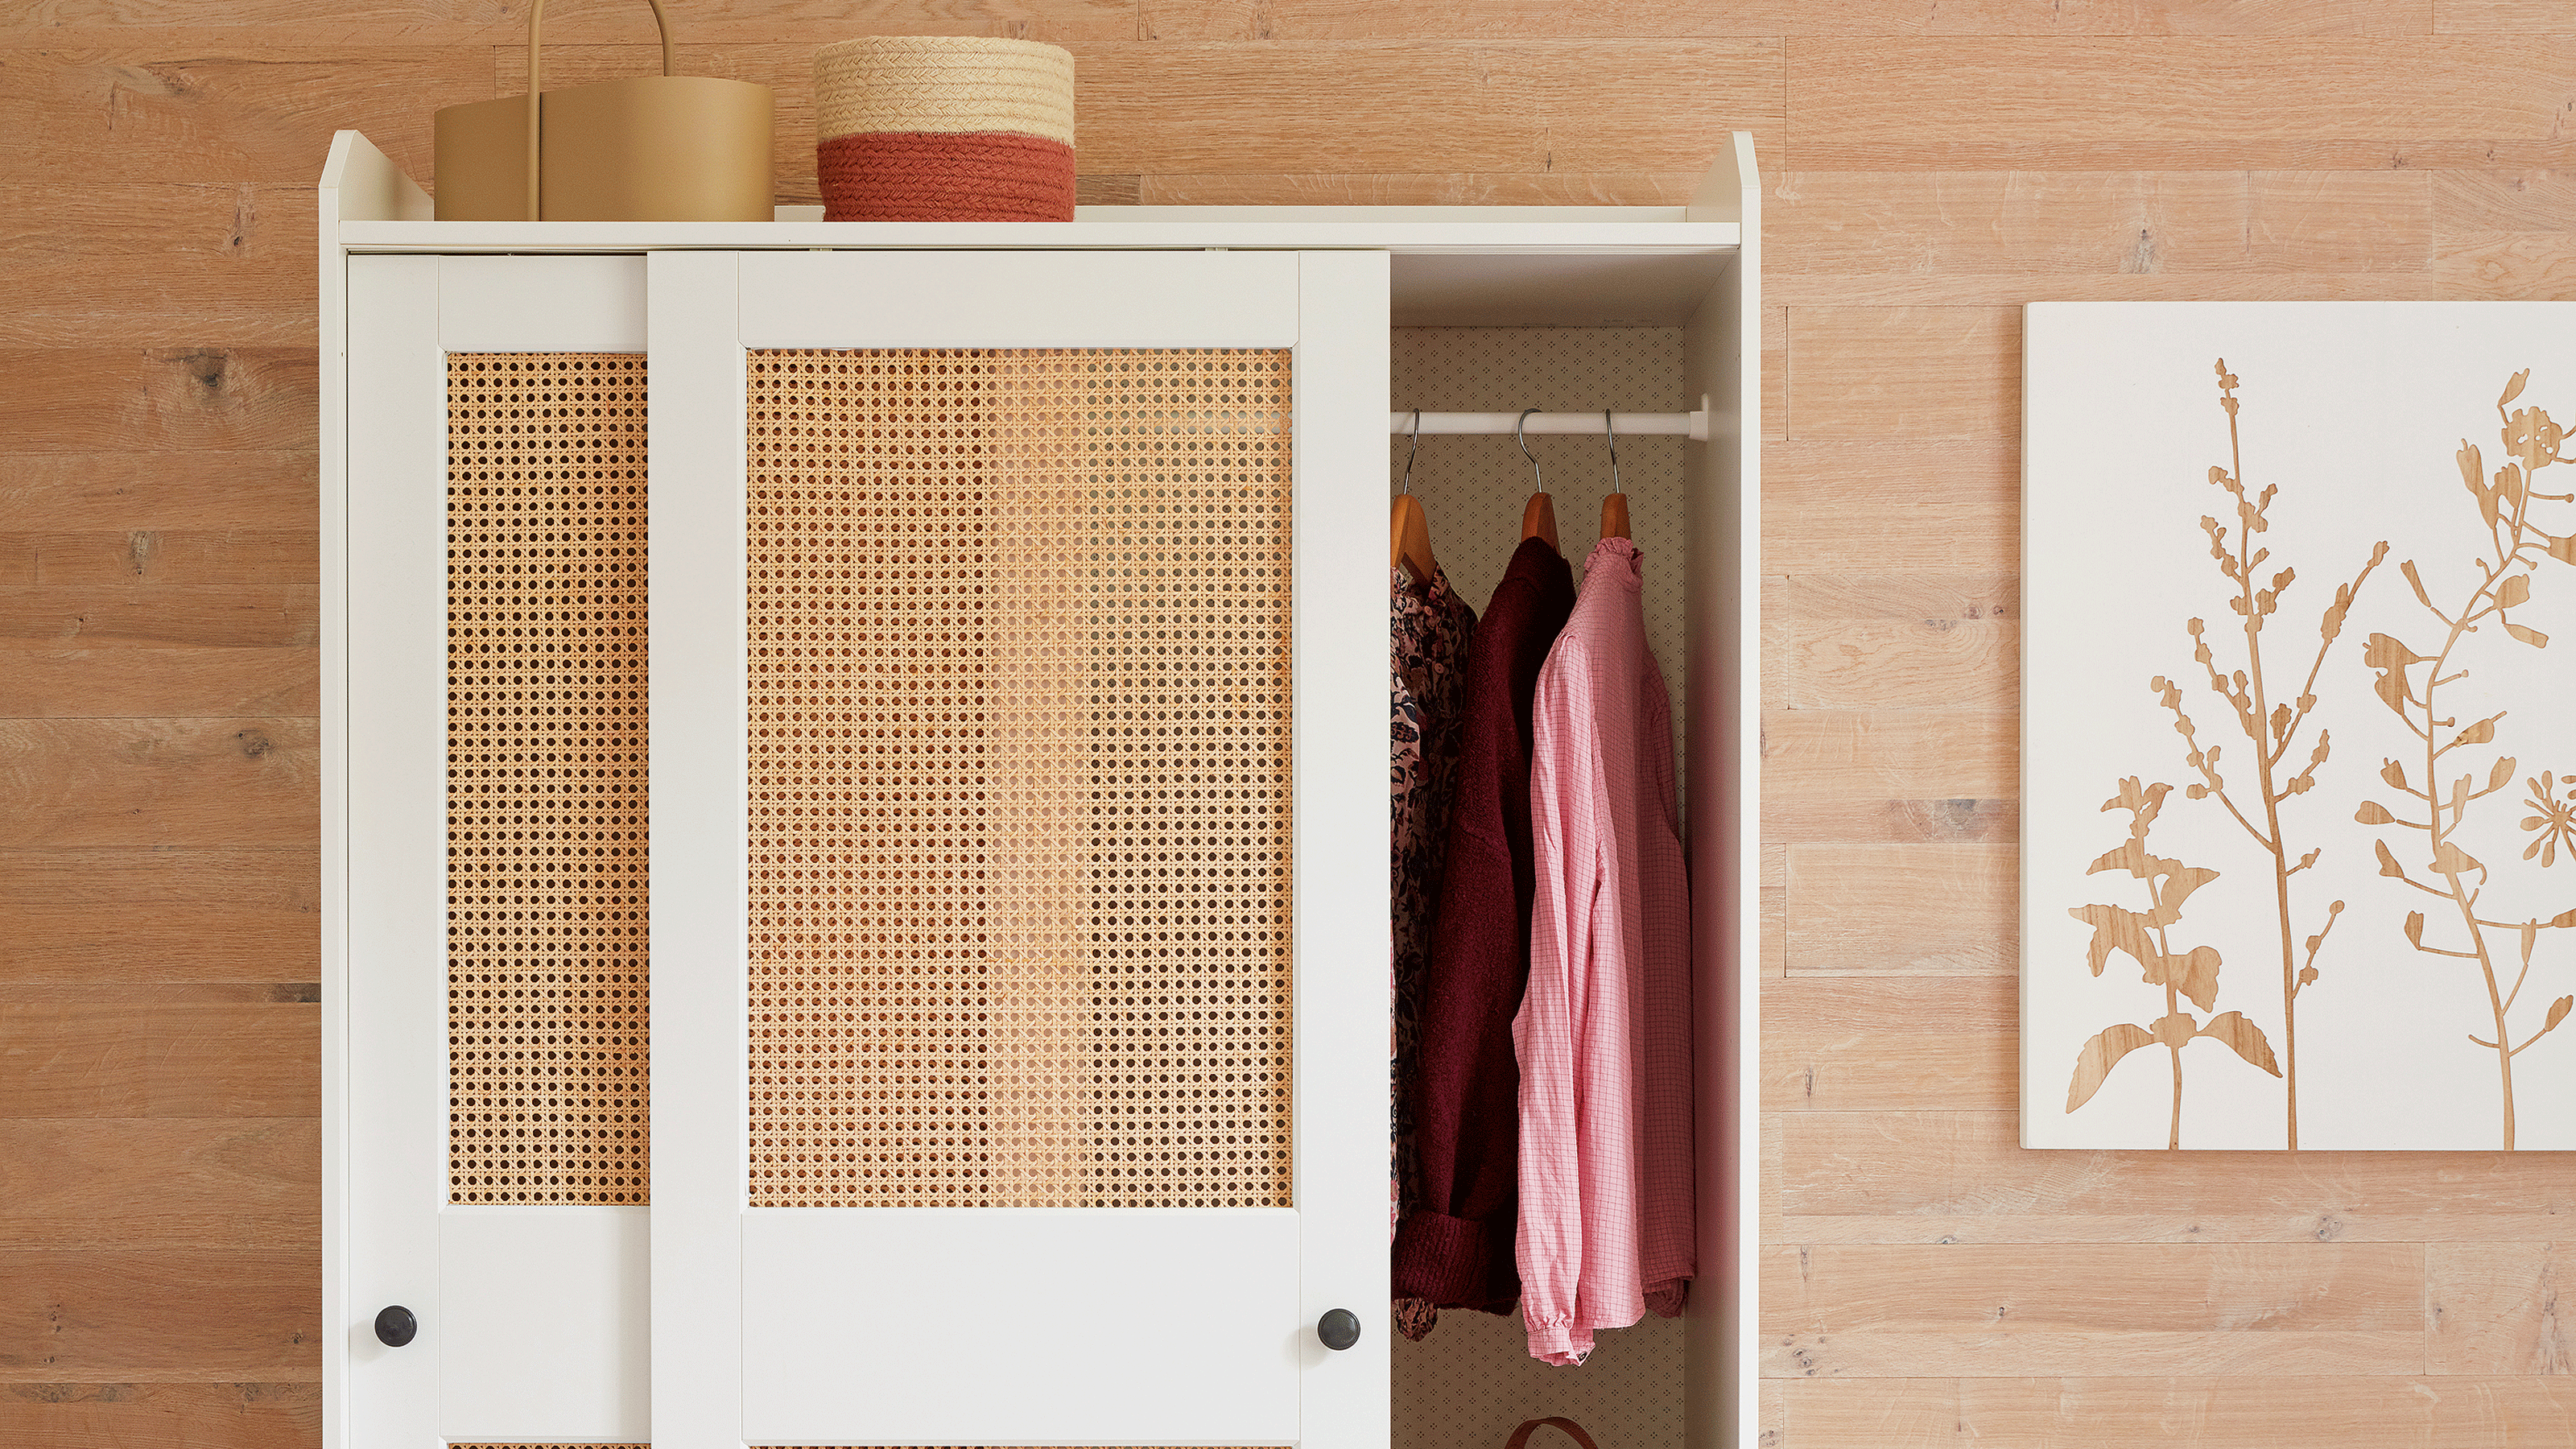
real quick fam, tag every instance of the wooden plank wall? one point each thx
(1933, 164)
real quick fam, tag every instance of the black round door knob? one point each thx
(395, 1327)
(1338, 1329)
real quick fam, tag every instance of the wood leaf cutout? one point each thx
(2093, 1064)
(2194, 972)
(2232, 1030)
(2172, 880)
(2115, 929)
(2390, 657)
(2451, 860)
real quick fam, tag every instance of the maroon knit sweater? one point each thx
(1455, 1248)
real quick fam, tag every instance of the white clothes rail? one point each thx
(1693, 425)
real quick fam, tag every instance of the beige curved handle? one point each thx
(1521, 1436)
(536, 15)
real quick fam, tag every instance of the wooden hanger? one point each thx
(1614, 507)
(1538, 516)
(1410, 539)
(1409, 530)
(1538, 519)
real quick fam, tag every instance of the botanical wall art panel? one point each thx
(2299, 726)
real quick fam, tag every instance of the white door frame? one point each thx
(706, 309)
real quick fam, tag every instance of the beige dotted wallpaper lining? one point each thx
(1469, 1383)
(1020, 737)
(547, 968)
(1472, 1380)
(1473, 487)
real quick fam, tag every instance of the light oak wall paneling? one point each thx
(73, 919)
(1311, 20)
(1775, 373)
(217, 616)
(87, 784)
(170, 400)
(1902, 910)
(1842, 1044)
(1905, 664)
(1910, 372)
(131, 488)
(1933, 1177)
(499, 22)
(118, 1185)
(1891, 776)
(173, 1315)
(1990, 237)
(1842, 1310)
(166, 556)
(157, 1051)
(2499, 1308)
(160, 1415)
(157, 264)
(1773, 883)
(2209, 1412)
(1107, 190)
(1863, 507)
(2501, 17)
(1471, 188)
(2505, 234)
(196, 109)
(2179, 103)
(121, 683)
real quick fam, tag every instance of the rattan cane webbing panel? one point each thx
(546, 889)
(1019, 805)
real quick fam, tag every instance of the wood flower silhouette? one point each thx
(2513, 512)
(2185, 973)
(2270, 708)
(2556, 821)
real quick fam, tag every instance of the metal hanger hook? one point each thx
(1409, 452)
(1518, 436)
(1611, 428)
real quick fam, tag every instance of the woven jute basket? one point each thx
(944, 128)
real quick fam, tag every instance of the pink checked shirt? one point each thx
(1603, 1034)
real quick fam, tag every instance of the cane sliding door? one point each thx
(493, 830)
(1018, 897)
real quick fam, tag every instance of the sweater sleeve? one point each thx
(1549, 1024)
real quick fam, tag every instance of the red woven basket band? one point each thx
(937, 176)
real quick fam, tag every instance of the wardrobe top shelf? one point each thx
(1409, 229)
(369, 205)
(1453, 265)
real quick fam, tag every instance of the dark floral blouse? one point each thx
(1429, 626)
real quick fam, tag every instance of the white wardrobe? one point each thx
(855, 811)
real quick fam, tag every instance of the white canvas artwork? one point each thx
(2299, 726)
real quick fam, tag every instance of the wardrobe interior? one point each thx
(1466, 1384)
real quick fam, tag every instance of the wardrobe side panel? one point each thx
(1724, 749)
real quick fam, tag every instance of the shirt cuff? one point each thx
(1561, 1344)
(1668, 1297)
